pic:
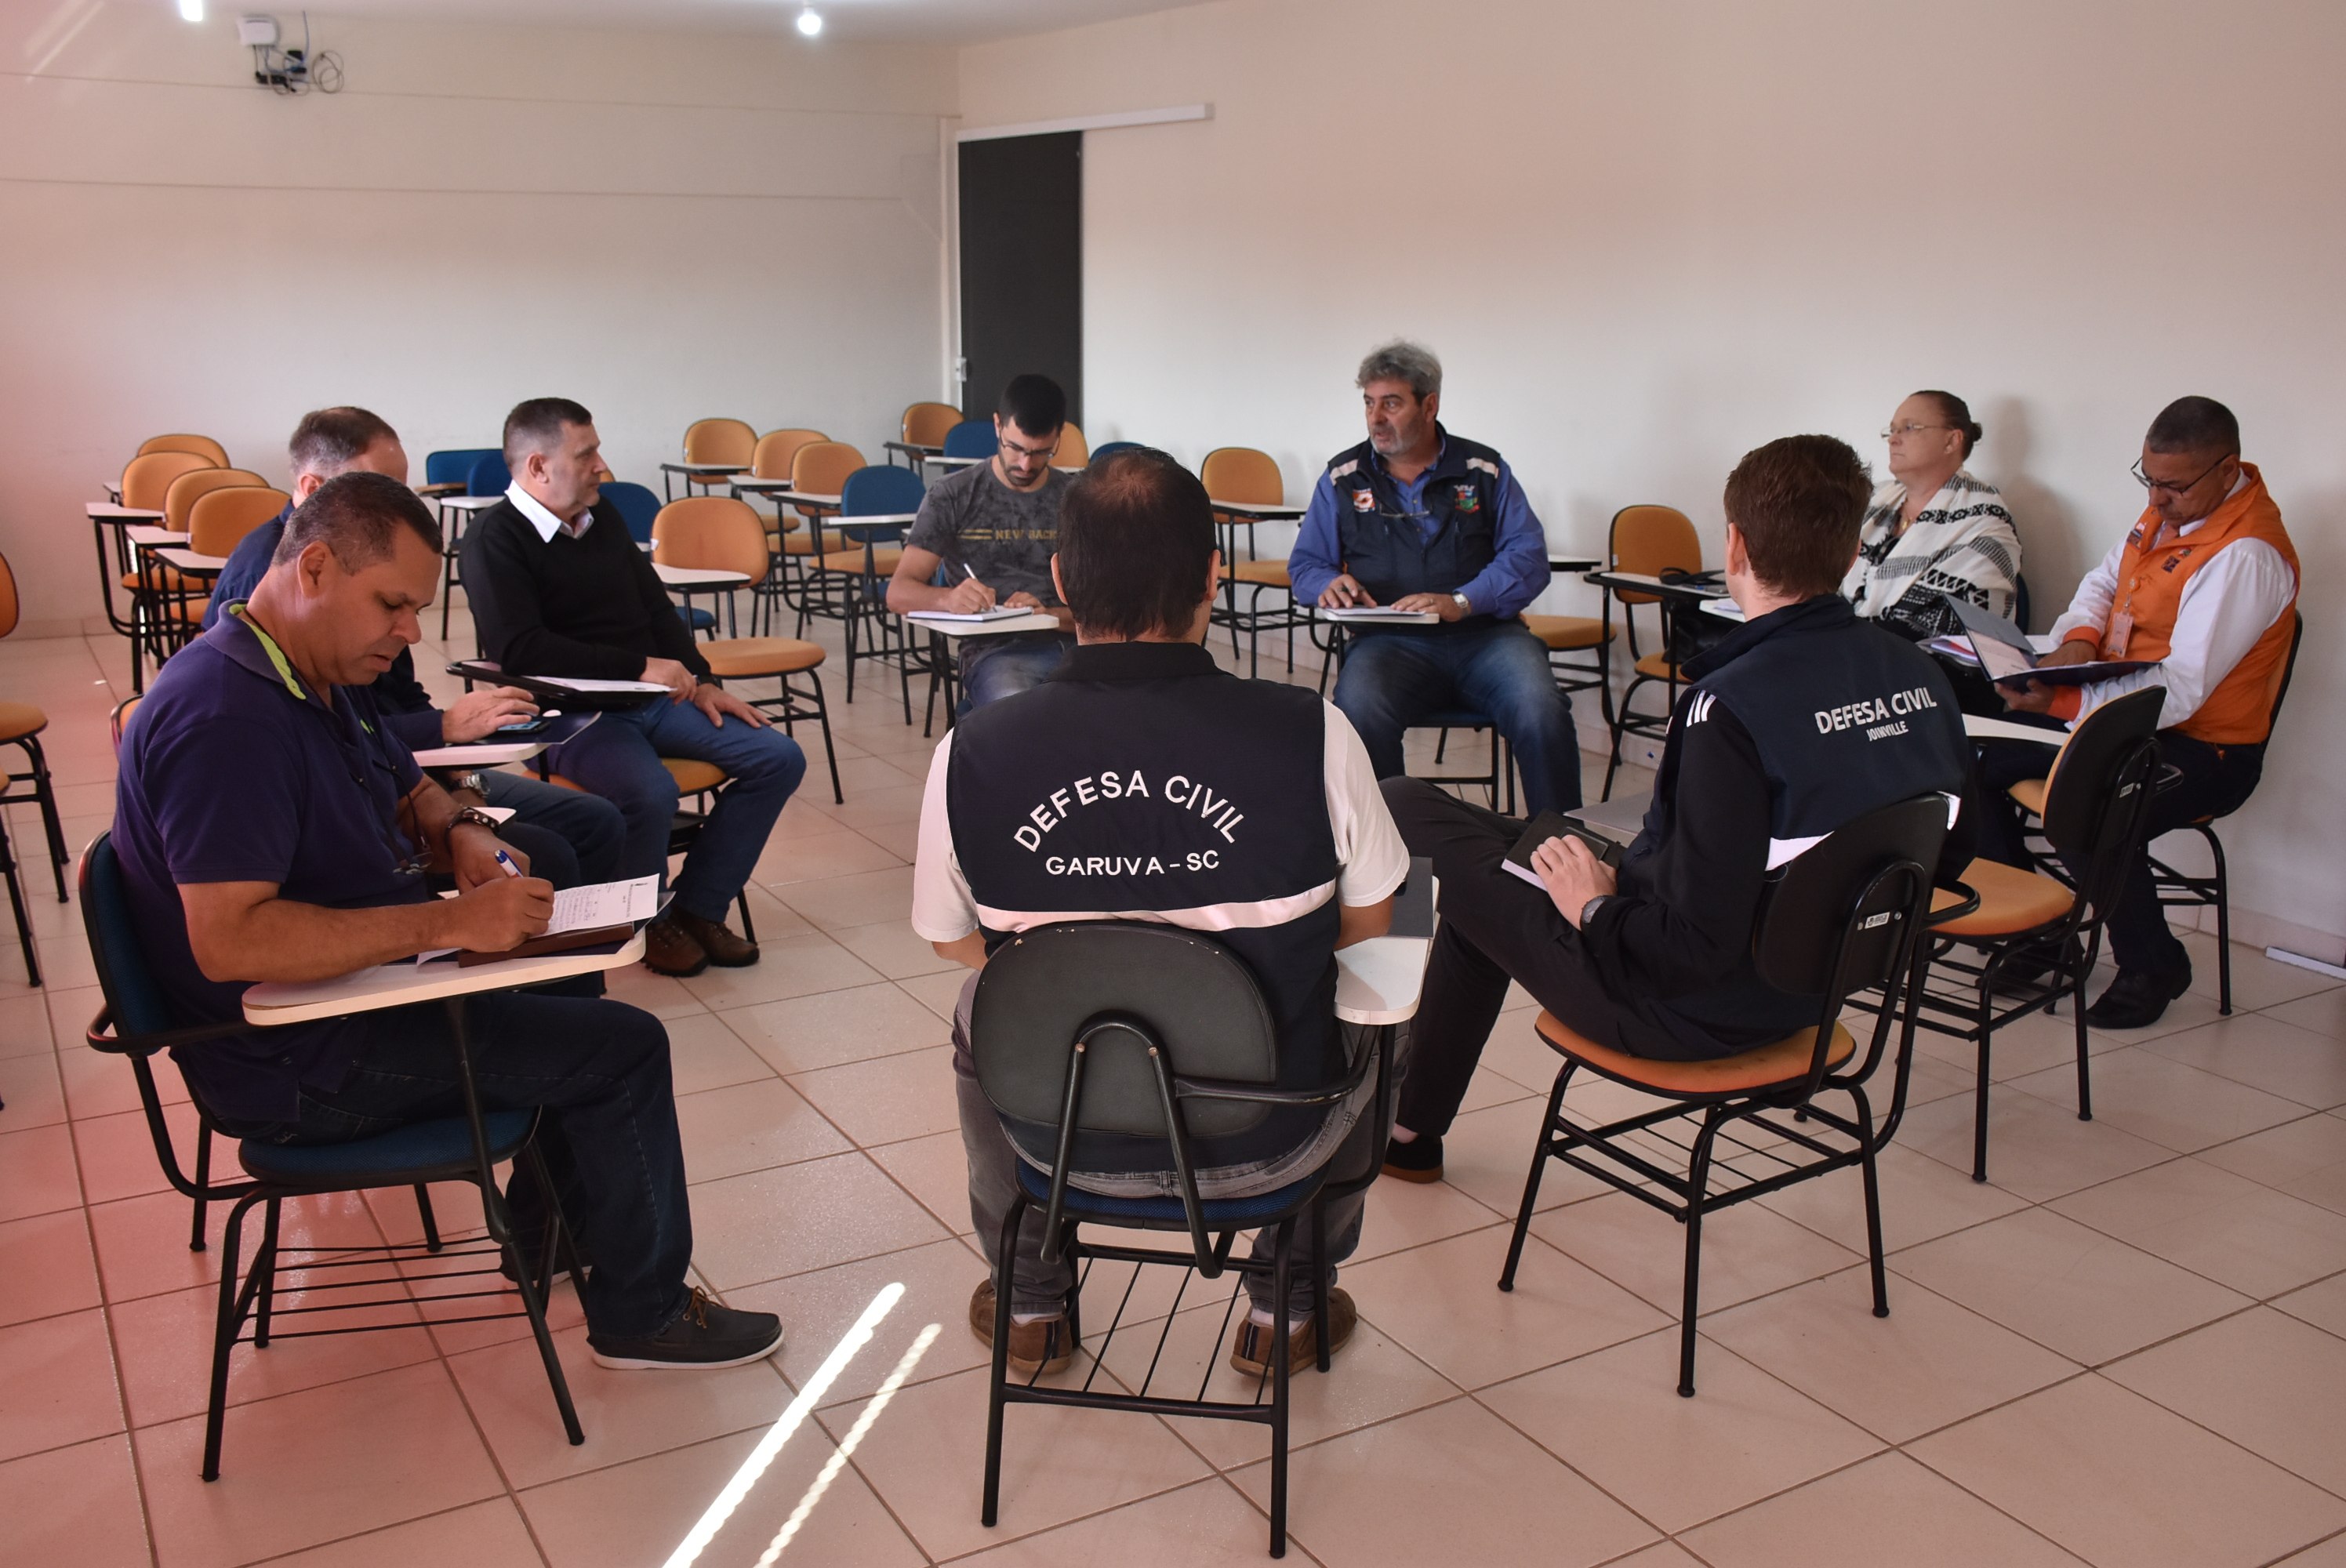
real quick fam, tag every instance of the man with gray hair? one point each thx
(1418, 521)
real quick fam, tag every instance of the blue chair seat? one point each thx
(698, 618)
(1221, 1213)
(397, 1158)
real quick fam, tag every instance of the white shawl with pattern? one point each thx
(1962, 543)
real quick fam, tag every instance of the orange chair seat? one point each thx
(1568, 634)
(156, 575)
(192, 611)
(883, 559)
(18, 719)
(2030, 793)
(1658, 667)
(1267, 573)
(692, 777)
(746, 657)
(1783, 1061)
(796, 543)
(2011, 900)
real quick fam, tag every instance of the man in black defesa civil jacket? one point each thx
(1803, 720)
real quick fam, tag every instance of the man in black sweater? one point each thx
(1804, 719)
(558, 587)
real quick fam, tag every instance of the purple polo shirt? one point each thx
(233, 770)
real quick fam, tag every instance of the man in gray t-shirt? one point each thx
(985, 537)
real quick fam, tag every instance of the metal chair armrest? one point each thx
(1970, 905)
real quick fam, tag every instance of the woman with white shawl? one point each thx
(1934, 529)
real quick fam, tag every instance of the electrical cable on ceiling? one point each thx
(293, 72)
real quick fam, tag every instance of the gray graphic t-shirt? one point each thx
(1004, 536)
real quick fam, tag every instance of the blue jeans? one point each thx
(570, 838)
(600, 1071)
(994, 667)
(1394, 680)
(618, 758)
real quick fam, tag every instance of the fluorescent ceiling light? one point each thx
(191, 10)
(809, 21)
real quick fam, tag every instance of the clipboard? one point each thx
(556, 691)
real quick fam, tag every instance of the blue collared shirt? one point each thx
(1515, 577)
(233, 770)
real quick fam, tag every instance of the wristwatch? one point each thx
(1589, 910)
(470, 780)
(1463, 607)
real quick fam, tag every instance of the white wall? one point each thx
(662, 227)
(1646, 237)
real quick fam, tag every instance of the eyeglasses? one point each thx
(2185, 488)
(1011, 450)
(1895, 430)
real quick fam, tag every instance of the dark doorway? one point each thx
(1022, 266)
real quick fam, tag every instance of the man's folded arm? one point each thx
(242, 931)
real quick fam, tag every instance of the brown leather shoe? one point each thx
(669, 949)
(1251, 1346)
(725, 950)
(1045, 1342)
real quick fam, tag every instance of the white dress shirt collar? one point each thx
(546, 524)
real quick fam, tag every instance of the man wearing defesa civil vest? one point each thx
(1141, 782)
(1802, 720)
(2202, 585)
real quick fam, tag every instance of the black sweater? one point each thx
(591, 607)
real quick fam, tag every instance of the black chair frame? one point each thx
(1208, 1256)
(1877, 943)
(248, 1296)
(1621, 717)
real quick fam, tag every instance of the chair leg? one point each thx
(1986, 1025)
(532, 1300)
(264, 1270)
(16, 904)
(1281, 1354)
(2223, 923)
(1532, 1181)
(431, 1221)
(1872, 1213)
(224, 1327)
(830, 751)
(46, 793)
(203, 1178)
(1697, 1178)
(2085, 1074)
(1320, 1282)
(1006, 1279)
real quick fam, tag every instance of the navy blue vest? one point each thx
(1388, 552)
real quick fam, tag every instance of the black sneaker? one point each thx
(707, 1334)
(2138, 998)
(1420, 1159)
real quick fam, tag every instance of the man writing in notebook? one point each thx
(1773, 745)
(990, 529)
(559, 588)
(2202, 585)
(271, 827)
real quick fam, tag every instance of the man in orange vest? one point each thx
(2203, 585)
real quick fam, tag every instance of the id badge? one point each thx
(2120, 632)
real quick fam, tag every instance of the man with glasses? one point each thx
(2202, 585)
(985, 538)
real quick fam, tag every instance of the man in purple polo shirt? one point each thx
(271, 828)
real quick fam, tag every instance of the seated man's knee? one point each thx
(771, 758)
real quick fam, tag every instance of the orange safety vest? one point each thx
(2150, 582)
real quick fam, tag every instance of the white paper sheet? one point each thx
(604, 903)
(998, 613)
(1382, 617)
(576, 682)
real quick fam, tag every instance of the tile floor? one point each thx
(2129, 1350)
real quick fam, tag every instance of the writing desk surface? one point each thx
(704, 468)
(1979, 726)
(106, 512)
(1037, 622)
(188, 561)
(909, 446)
(468, 502)
(148, 536)
(810, 498)
(846, 523)
(762, 486)
(700, 576)
(1557, 563)
(398, 984)
(1257, 511)
(479, 754)
(1378, 981)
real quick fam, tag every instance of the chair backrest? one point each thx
(220, 518)
(119, 720)
(1818, 931)
(146, 479)
(454, 465)
(637, 503)
(201, 446)
(925, 423)
(1045, 988)
(972, 438)
(2287, 673)
(2020, 600)
(771, 458)
(10, 609)
(123, 977)
(822, 467)
(1650, 540)
(719, 441)
(1075, 451)
(713, 533)
(878, 489)
(2097, 796)
(1110, 449)
(181, 499)
(489, 475)
(1242, 473)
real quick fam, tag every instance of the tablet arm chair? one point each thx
(1090, 1029)
(327, 1286)
(1843, 917)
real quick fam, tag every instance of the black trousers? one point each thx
(2210, 781)
(1494, 926)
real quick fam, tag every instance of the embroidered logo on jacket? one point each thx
(1469, 499)
(1364, 501)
